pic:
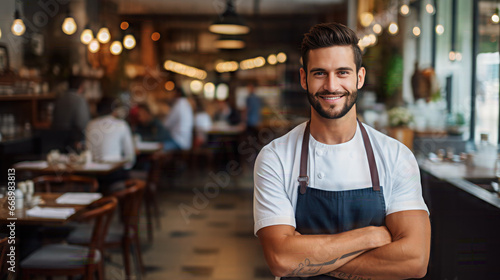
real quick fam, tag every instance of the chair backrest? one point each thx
(66, 183)
(101, 212)
(3, 252)
(130, 200)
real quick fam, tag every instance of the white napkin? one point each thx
(39, 164)
(50, 212)
(78, 198)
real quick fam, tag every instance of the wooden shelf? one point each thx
(23, 97)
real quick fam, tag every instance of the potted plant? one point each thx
(400, 119)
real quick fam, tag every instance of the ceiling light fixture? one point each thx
(230, 42)
(495, 18)
(94, 46)
(116, 48)
(103, 35)
(229, 23)
(87, 35)
(69, 24)
(18, 28)
(393, 28)
(129, 41)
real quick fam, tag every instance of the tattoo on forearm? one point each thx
(347, 276)
(307, 268)
(351, 254)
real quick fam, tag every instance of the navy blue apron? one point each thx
(329, 212)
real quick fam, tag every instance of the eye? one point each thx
(319, 73)
(343, 73)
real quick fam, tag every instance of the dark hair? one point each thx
(75, 82)
(144, 107)
(327, 35)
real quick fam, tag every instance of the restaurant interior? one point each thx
(95, 94)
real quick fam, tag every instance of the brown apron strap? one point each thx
(371, 158)
(303, 178)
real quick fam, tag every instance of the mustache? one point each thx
(336, 93)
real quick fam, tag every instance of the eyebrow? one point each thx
(324, 70)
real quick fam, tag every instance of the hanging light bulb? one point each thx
(129, 41)
(116, 48)
(69, 24)
(429, 7)
(416, 31)
(495, 18)
(87, 35)
(0, 33)
(366, 19)
(439, 29)
(404, 10)
(103, 35)
(94, 46)
(229, 23)
(18, 28)
(393, 28)
(377, 28)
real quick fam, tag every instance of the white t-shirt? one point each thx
(179, 123)
(110, 139)
(334, 168)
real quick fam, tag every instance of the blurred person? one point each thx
(179, 122)
(227, 113)
(148, 126)
(109, 137)
(71, 111)
(253, 108)
(202, 123)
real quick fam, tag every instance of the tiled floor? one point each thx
(206, 230)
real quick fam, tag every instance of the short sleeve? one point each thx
(406, 185)
(272, 206)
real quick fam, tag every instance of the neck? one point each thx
(333, 131)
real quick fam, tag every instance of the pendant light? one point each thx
(495, 18)
(103, 35)
(69, 24)
(129, 41)
(116, 48)
(0, 33)
(94, 46)
(18, 28)
(229, 42)
(87, 35)
(229, 23)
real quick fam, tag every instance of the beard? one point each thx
(330, 112)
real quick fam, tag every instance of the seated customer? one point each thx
(202, 123)
(108, 138)
(148, 126)
(179, 122)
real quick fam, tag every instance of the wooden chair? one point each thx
(151, 191)
(125, 236)
(69, 260)
(3, 253)
(66, 183)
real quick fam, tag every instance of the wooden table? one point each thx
(94, 168)
(47, 200)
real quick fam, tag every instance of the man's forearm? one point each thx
(406, 257)
(309, 255)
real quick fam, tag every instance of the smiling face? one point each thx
(331, 81)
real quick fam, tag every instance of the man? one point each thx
(71, 111)
(179, 123)
(252, 111)
(334, 197)
(148, 126)
(108, 138)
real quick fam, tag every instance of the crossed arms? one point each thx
(398, 251)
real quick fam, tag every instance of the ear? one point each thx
(303, 78)
(361, 77)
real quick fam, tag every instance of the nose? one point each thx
(331, 83)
